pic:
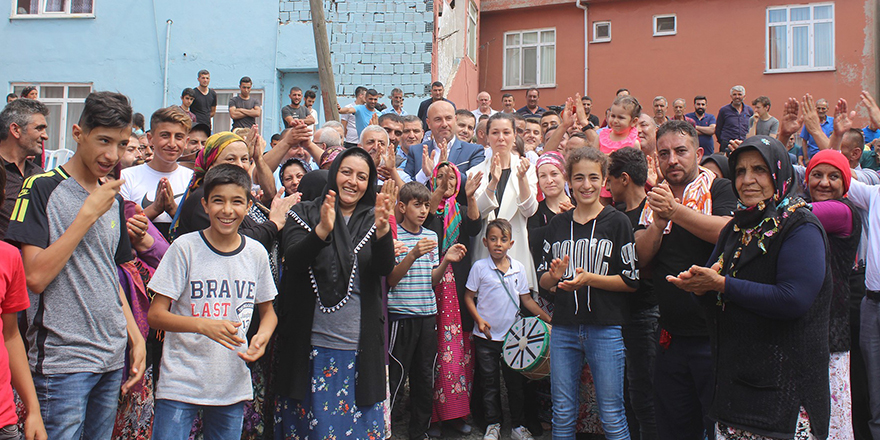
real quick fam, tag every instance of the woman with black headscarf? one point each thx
(767, 298)
(330, 374)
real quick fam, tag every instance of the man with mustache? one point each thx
(705, 124)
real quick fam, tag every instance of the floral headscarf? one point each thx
(449, 208)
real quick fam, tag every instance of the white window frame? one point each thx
(62, 125)
(658, 33)
(224, 109)
(789, 46)
(473, 19)
(538, 45)
(596, 38)
(42, 14)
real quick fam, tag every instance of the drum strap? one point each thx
(506, 289)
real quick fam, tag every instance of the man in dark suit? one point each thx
(421, 158)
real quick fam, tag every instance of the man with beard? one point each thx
(532, 109)
(244, 109)
(508, 103)
(296, 109)
(733, 119)
(673, 237)
(412, 135)
(22, 134)
(464, 125)
(705, 124)
(363, 114)
(396, 103)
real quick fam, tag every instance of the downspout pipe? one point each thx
(168, 24)
(586, 43)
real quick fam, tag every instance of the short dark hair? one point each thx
(359, 89)
(682, 127)
(498, 117)
(290, 162)
(586, 98)
(188, 92)
(589, 154)
(549, 113)
(436, 84)
(393, 117)
(245, 79)
(535, 89)
(26, 91)
(204, 128)
(105, 109)
(2, 185)
(19, 112)
(631, 161)
(622, 89)
(858, 134)
(506, 95)
(635, 109)
(700, 98)
(765, 101)
(310, 94)
(226, 174)
(372, 92)
(294, 88)
(11, 95)
(138, 120)
(204, 72)
(502, 225)
(275, 137)
(533, 121)
(413, 191)
(465, 112)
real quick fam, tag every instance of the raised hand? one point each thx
(170, 204)
(400, 248)
(523, 167)
(699, 280)
(662, 201)
(456, 253)
(495, 169)
(298, 133)
(653, 170)
(328, 215)
(873, 109)
(390, 189)
(843, 121)
(374, 120)
(427, 161)
(280, 207)
(791, 120)
(137, 227)
(811, 116)
(444, 150)
(384, 208)
(733, 144)
(222, 331)
(582, 117)
(101, 199)
(566, 205)
(558, 267)
(472, 184)
(568, 118)
(581, 278)
(424, 246)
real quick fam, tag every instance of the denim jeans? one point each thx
(602, 348)
(869, 342)
(79, 405)
(173, 420)
(10, 432)
(640, 336)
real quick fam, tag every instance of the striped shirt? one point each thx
(414, 294)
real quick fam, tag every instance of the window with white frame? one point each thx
(601, 31)
(530, 58)
(65, 103)
(53, 8)
(665, 25)
(800, 38)
(472, 32)
(222, 121)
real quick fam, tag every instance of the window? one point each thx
(530, 58)
(800, 38)
(221, 120)
(665, 25)
(472, 32)
(601, 31)
(53, 8)
(66, 103)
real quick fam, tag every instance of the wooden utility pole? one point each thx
(325, 65)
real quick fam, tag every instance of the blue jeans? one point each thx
(173, 420)
(869, 342)
(602, 347)
(79, 405)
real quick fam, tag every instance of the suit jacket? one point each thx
(464, 155)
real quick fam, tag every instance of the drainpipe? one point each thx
(167, 48)
(586, 42)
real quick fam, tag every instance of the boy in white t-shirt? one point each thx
(159, 184)
(499, 284)
(206, 287)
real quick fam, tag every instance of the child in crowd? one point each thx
(71, 230)
(14, 369)
(590, 258)
(622, 122)
(499, 284)
(205, 288)
(412, 306)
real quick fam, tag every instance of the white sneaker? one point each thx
(493, 432)
(521, 433)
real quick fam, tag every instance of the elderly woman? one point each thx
(330, 372)
(767, 298)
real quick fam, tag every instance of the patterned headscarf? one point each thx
(553, 158)
(449, 208)
(204, 161)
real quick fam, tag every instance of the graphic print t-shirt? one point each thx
(206, 283)
(140, 187)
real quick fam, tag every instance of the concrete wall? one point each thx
(569, 23)
(459, 73)
(712, 52)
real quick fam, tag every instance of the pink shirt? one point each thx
(606, 145)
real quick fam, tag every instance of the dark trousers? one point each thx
(348, 145)
(640, 337)
(861, 410)
(413, 347)
(490, 367)
(683, 387)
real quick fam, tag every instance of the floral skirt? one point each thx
(840, 425)
(802, 431)
(134, 416)
(455, 360)
(588, 409)
(329, 411)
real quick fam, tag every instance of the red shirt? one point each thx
(13, 299)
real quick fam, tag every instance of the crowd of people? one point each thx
(177, 280)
